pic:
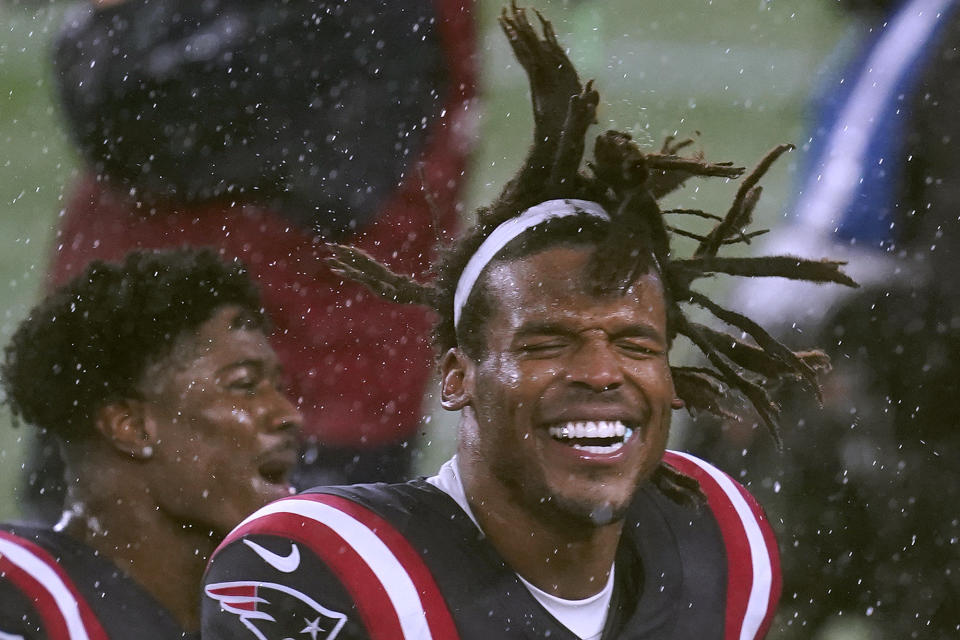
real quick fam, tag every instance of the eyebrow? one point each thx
(639, 331)
(557, 329)
(246, 362)
(543, 328)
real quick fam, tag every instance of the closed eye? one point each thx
(242, 377)
(639, 348)
(243, 384)
(542, 348)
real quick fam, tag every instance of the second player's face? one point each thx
(227, 434)
(573, 395)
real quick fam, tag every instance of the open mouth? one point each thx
(274, 472)
(601, 436)
(275, 468)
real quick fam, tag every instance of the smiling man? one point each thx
(567, 399)
(157, 379)
(562, 515)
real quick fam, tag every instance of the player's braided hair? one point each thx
(627, 182)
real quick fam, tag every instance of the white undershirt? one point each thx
(585, 618)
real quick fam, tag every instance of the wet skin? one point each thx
(208, 439)
(557, 352)
(226, 433)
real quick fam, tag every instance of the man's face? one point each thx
(573, 396)
(227, 434)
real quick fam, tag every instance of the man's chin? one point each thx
(584, 512)
(551, 500)
(607, 513)
(268, 492)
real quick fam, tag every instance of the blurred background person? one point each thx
(159, 384)
(264, 129)
(866, 490)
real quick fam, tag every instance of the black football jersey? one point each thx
(405, 561)
(53, 587)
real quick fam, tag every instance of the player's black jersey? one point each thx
(405, 561)
(53, 587)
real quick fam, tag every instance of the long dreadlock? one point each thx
(628, 182)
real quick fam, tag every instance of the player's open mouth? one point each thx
(600, 436)
(273, 472)
(276, 465)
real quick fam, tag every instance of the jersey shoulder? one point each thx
(753, 581)
(38, 599)
(335, 555)
(52, 586)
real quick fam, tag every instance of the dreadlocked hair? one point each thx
(628, 182)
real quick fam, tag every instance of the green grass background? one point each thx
(736, 70)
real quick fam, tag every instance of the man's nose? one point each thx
(596, 366)
(283, 414)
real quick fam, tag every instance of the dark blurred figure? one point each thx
(867, 490)
(263, 129)
(157, 381)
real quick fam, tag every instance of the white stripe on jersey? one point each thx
(759, 555)
(49, 580)
(372, 550)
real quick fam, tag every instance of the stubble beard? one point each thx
(554, 509)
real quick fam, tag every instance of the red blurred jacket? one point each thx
(358, 365)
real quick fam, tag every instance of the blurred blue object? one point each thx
(858, 143)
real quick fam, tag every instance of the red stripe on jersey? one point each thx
(773, 552)
(372, 602)
(740, 568)
(54, 626)
(435, 608)
(54, 619)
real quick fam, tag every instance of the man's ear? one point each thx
(456, 380)
(126, 425)
(677, 402)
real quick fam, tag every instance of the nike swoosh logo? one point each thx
(284, 564)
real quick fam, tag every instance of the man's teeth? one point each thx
(600, 429)
(594, 448)
(591, 431)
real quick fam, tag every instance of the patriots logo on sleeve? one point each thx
(267, 606)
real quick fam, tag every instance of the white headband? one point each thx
(509, 230)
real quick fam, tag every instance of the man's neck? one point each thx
(559, 557)
(121, 521)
